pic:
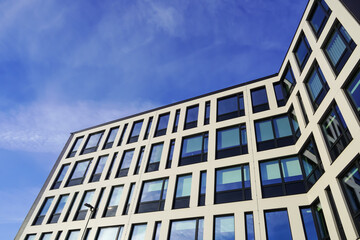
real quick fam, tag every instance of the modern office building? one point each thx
(273, 158)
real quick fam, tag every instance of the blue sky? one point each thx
(67, 65)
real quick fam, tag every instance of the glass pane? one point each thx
(152, 191)
(277, 225)
(94, 139)
(335, 48)
(77, 144)
(30, 237)
(74, 235)
(301, 51)
(63, 173)
(264, 131)
(351, 182)
(294, 120)
(163, 122)
(309, 223)
(115, 196)
(282, 127)
(61, 204)
(185, 229)
(291, 169)
(228, 138)
(157, 231)
(192, 146)
(138, 232)
(317, 18)
(127, 158)
(354, 91)
(309, 158)
(270, 172)
(87, 199)
(203, 183)
(259, 97)
(183, 188)
(156, 153)
(243, 135)
(228, 179)
(345, 34)
(46, 206)
(109, 233)
(192, 114)
(80, 169)
(279, 92)
(46, 236)
(227, 105)
(101, 164)
(315, 85)
(249, 219)
(224, 228)
(246, 176)
(112, 135)
(201, 229)
(321, 221)
(136, 129)
(332, 128)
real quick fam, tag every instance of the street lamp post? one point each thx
(87, 222)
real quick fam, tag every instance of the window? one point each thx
(202, 192)
(148, 128)
(303, 108)
(78, 174)
(30, 237)
(230, 107)
(316, 85)
(285, 86)
(73, 235)
(156, 235)
(92, 142)
(70, 207)
(155, 157)
(302, 51)
(122, 134)
(187, 229)
(353, 91)
(138, 232)
(60, 176)
(43, 210)
(171, 153)
(259, 100)
(294, 122)
(113, 202)
(45, 236)
(95, 176)
(231, 141)
(82, 209)
(277, 225)
(183, 191)
(125, 163)
(111, 138)
(152, 196)
(96, 206)
(335, 131)
(207, 113)
(109, 233)
(176, 122)
(162, 124)
(318, 16)
(58, 235)
(135, 131)
(314, 221)
(194, 149)
(108, 174)
(75, 147)
(128, 199)
(249, 226)
(278, 131)
(58, 209)
(191, 117)
(232, 184)
(335, 212)
(224, 228)
(338, 47)
(138, 164)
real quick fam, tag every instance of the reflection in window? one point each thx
(259, 100)
(98, 201)
(128, 199)
(170, 154)
(138, 164)
(183, 190)
(45, 236)
(314, 222)
(110, 233)
(277, 225)
(316, 86)
(70, 207)
(78, 174)
(113, 202)
(224, 228)
(176, 122)
(111, 138)
(155, 157)
(98, 169)
(335, 131)
(156, 235)
(194, 149)
(73, 235)
(60, 176)
(353, 92)
(231, 141)
(82, 209)
(249, 223)
(302, 51)
(318, 16)
(230, 107)
(207, 113)
(108, 174)
(138, 232)
(125, 163)
(162, 124)
(285, 86)
(44, 209)
(135, 131)
(202, 189)
(92, 142)
(232, 184)
(148, 128)
(187, 229)
(58, 209)
(152, 196)
(122, 134)
(75, 147)
(191, 117)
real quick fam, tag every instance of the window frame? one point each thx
(198, 158)
(302, 38)
(238, 113)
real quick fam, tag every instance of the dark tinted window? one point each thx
(231, 141)
(353, 91)
(230, 107)
(259, 100)
(191, 117)
(302, 51)
(318, 17)
(152, 197)
(277, 225)
(316, 86)
(194, 149)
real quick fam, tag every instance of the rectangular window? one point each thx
(135, 131)
(170, 154)
(334, 210)
(138, 164)
(285, 86)
(183, 191)
(316, 85)
(92, 142)
(202, 193)
(277, 225)
(302, 51)
(75, 146)
(338, 47)
(108, 174)
(232, 184)
(162, 125)
(122, 134)
(335, 132)
(249, 226)
(95, 176)
(58, 209)
(148, 127)
(155, 157)
(176, 122)
(156, 235)
(191, 117)
(230, 107)
(138, 232)
(224, 227)
(319, 14)
(187, 229)
(128, 199)
(278, 131)
(82, 209)
(73, 235)
(110, 233)
(125, 163)
(303, 109)
(70, 207)
(98, 201)
(259, 100)
(353, 91)
(314, 221)
(113, 201)
(45, 236)
(194, 149)
(207, 113)
(231, 141)
(79, 173)
(60, 176)
(43, 210)
(152, 197)
(111, 138)
(30, 237)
